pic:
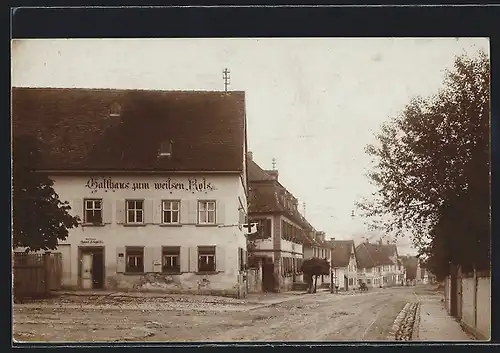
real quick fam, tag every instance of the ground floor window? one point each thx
(171, 259)
(135, 259)
(206, 258)
(351, 281)
(368, 281)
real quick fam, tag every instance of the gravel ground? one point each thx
(316, 317)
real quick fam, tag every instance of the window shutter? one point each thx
(120, 260)
(185, 211)
(157, 259)
(148, 259)
(184, 253)
(220, 259)
(77, 208)
(157, 211)
(107, 212)
(148, 211)
(193, 259)
(120, 211)
(220, 212)
(267, 229)
(191, 212)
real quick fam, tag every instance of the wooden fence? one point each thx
(35, 275)
(468, 298)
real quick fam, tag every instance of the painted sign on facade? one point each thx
(169, 184)
(91, 241)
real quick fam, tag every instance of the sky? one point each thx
(313, 104)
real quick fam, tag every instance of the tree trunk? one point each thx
(315, 283)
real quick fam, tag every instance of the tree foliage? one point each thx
(40, 218)
(432, 171)
(314, 267)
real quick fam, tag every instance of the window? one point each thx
(135, 211)
(369, 270)
(135, 257)
(206, 258)
(368, 281)
(206, 212)
(170, 212)
(351, 281)
(93, 211)
(171, 259)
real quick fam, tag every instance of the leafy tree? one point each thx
(432, 171)
(314, 267)
(40, 218)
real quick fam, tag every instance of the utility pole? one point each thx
(226, 78)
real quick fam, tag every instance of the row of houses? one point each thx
(165, 188)
(285, 238)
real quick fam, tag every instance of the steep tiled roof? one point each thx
(371, 255)
(390, 249)
(341, 252)
(256, 173)
(207, 129)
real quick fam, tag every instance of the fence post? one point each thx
(46, 269)
(475, 296)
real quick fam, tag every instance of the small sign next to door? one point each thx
(91, 241)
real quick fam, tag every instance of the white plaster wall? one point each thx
(65, 251)
(227, 235)
(338, 277)
(484, 306)
(308, 252)
(468, 301)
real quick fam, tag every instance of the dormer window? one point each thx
(115, 109)
(165, 149)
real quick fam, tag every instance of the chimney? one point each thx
(272, 173)
(250, 155)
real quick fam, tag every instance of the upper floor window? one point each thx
(170, 212)
(93, 211)
(206, 212)
(135, 211)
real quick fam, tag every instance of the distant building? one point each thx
(158, 179)
(278, 246)
(344, 264)
(378, 264)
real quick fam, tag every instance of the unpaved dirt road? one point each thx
(317, 317)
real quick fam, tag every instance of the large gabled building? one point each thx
(278, 245)
(158, 179)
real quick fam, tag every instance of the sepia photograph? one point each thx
(251, 189)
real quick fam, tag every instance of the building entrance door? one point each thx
(91, 268)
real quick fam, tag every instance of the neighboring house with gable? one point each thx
(158, 179)
(370, 259)
(278, 245)
(344, 264)
(392, 273)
